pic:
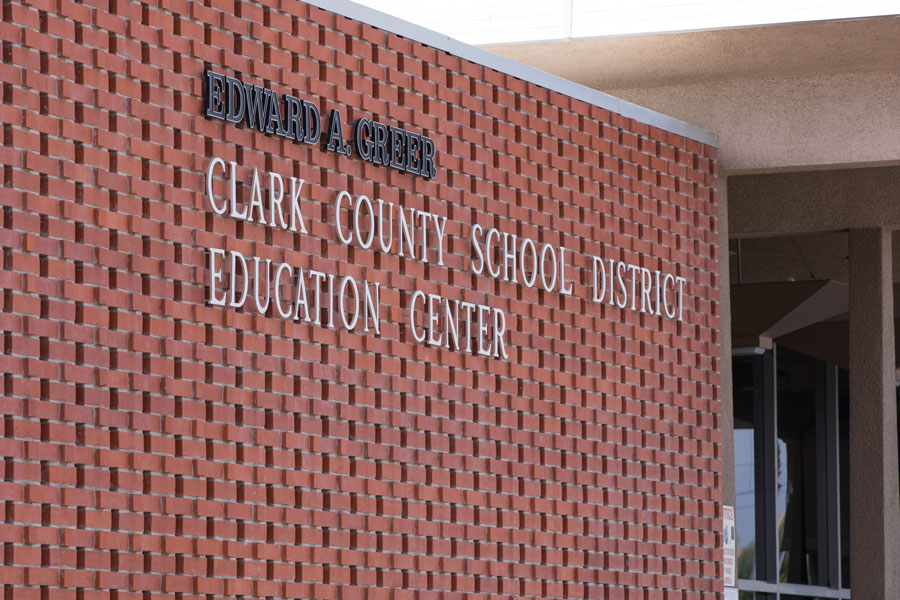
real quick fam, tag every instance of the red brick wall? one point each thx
(154, 444)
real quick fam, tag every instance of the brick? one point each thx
(181, 447)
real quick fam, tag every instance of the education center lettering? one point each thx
(335, 300)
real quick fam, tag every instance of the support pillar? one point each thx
(727, 395)
(874, 481)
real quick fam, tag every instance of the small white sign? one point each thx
(729, 544)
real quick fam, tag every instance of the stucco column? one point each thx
(727, 428)
(874, 480)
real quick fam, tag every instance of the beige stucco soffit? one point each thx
(813, 201)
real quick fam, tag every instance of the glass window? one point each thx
(797, 491)
(791, 416)
(844, 469)
(745, 466)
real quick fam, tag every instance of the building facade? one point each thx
(302, 302)
(808, 190)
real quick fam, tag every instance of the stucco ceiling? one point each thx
(800, 49)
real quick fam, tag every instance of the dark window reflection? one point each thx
(797, 491)
(796, 487)
(745, 466)
(844, 471)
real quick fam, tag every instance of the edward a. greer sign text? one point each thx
(232, 100)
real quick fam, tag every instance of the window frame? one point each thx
(765, 398)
